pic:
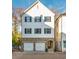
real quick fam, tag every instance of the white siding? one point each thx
(63, 32)
(64, 24)
(38, 10)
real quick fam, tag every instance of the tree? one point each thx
(16, 41)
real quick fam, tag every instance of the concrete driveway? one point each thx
(24, 55)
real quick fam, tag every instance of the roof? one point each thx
(59, 15)
(31, 6)
(34, 5)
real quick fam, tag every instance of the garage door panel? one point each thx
(40, 46)
(28, 46)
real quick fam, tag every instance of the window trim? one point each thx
(46, 31)
(27, 29)
(36, 18)
(37, 32)
(45, 20)
(26, 18)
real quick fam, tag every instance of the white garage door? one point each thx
(28, 46)
(40, 46)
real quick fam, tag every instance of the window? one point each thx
(28, 19)
(37, 19)
(47, 30)
(38, 31)
(64, 44)
(27, 30)
(47, 19)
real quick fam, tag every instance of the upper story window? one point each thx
(38, 19)
(37, 31)
(47, 19)
(27, 30)
(28, 19)
(47, 30)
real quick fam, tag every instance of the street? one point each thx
(24, 55)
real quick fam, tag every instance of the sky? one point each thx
(58, 5)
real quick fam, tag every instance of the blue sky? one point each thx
(59, 5)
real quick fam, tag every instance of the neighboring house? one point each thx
(38, 28)
(63, 33)
(60, 33)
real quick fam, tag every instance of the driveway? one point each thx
(24, 55)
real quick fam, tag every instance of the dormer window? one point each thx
(28, 19)
(37, 19)
(47, 19)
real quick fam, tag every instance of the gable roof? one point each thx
(37, 1)
(30, 6)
